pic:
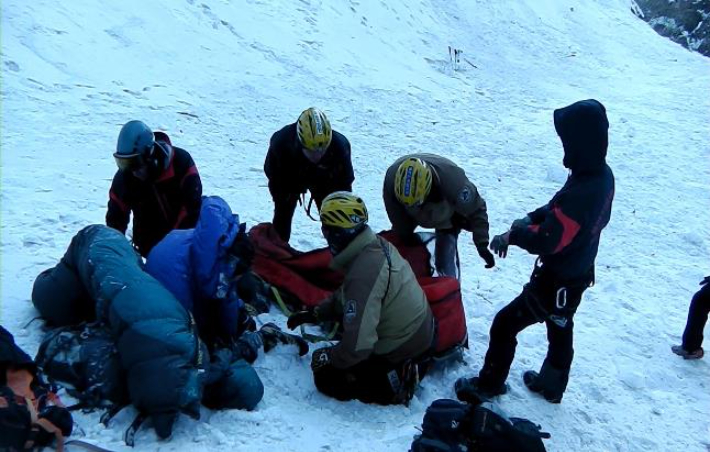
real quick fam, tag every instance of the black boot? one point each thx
(472, 391)
(550, 382)
(272, 336)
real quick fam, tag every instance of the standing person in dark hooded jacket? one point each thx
(565, 235)
(156, 181)
(306, 155)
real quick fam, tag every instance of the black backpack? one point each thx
(452, 426)
(84, 359)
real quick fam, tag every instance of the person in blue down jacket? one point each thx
(204, 268)
(100, 278)
(565, 234)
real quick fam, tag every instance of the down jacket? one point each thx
(197, 267)
(100, 277)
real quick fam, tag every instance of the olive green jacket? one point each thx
(382, 306)
(453, 202)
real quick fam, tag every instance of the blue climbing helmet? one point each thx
(134, 146)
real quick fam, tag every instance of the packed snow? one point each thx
(220, 77)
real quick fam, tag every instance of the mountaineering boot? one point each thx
(549, 382)
(472, 391)
(272, 336)
(680, 351)
(410, 378)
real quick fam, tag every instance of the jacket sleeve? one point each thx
(561, 221)
(273, 168)
(119, 209)
(471, 205)
(348, 174)
(537, 216)
(362, 295)
(191, 193)
(402, 223)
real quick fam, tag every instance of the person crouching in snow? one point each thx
(691, 348)
(431, 191)
(387, 323)
(206, 268)
(565, 235)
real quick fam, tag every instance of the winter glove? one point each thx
(243, 249)
(321, 358)
(521, 223)
(301, 317)
(705, 280)
(499, 245)
(486, 255)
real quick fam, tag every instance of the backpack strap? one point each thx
(307, 209)
(388, 256)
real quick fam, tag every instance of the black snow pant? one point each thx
(285, 205)
(374, 380)
(542, 300)
(446, 252)
(697, 318)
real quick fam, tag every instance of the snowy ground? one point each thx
(222, 76)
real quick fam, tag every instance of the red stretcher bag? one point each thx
(444, 296)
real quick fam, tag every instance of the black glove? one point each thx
(321, 358)
(521, 223)
(486, 255)
(243, 249)
(299, 318)
(499, 245)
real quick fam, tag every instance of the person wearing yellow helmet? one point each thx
(387, 322)
(306, 155)
(431, 191)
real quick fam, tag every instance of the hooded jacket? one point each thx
(196, 266)
(170, 201)
(565, 232)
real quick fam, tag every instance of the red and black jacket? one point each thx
(170, 201)
(565, 232)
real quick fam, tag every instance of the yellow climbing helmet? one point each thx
(314, 131)
(342, 209)
(412, 182)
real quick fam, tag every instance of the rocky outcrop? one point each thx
(686, 22)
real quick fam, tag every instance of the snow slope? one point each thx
(221, 76)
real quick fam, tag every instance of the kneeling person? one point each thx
(387, 323)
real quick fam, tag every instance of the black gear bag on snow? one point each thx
(452, 426)
(83, 358)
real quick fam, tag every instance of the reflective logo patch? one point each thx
(408, 181)
(319, 124)
(350, 311)
(465, 195)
